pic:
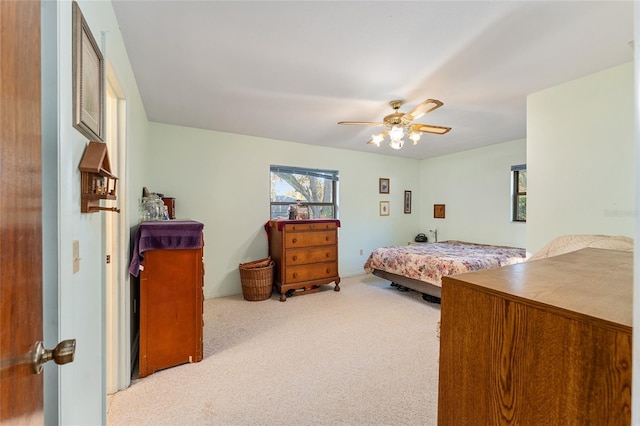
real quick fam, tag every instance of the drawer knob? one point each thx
(294, 240)
(328, 270)
(326, 238)
(328, 254)
(295, 257)
(295, 275)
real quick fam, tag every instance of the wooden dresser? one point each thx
(171, 295)
(305, 253)
(546, 342)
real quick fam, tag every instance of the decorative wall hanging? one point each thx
(438, 211)
(88, 80)
(384, 185)
(384, 208)
(97, 181)
(407, 202)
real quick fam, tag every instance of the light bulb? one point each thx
(396, 143)
(376, 139)
(396, 133)
(415, 137)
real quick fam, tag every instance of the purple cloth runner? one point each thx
(164, 235)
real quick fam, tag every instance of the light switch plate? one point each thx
(76, 256)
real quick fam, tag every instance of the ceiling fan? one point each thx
(400, 122)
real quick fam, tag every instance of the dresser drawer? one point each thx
(311, 255)
(309, 239)
(310, 226)
(294, 274)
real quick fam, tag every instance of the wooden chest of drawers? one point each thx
(546, 342)
(305, 253)
(171, 276)
(170, 309)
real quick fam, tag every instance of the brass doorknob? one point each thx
(63, 353)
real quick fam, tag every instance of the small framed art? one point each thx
(384, 208)
(438, 211)
(407, 202)
(384, 185)
(88, 80)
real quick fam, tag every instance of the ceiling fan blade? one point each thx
(420, 110)
(427, 128)
(361, 123)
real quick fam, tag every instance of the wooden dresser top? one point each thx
(589, 285)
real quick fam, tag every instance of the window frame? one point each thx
(321, 173)
(516, 193)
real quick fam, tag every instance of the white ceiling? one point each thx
(290, 70)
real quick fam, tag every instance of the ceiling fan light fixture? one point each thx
(376, 139)
(399, 125)
(396, 143)
(396, 133)
(415, 137)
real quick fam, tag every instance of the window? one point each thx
(519, 193)
(315, 188)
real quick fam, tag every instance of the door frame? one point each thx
(115, 274)
(50, 199)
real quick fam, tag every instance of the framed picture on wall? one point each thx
(384, 208)
(407, 202)
(384, 185)
(88, 80)
(438, 211)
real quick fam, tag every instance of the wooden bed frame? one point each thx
(430, 292)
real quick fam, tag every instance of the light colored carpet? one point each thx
(367, 355)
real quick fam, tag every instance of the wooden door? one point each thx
(21, 392)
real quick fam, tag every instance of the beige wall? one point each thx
(580, 152)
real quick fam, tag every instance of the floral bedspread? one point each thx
(430, 262)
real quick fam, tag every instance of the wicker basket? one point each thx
(257, 282)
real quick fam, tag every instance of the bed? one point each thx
(420, 267)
